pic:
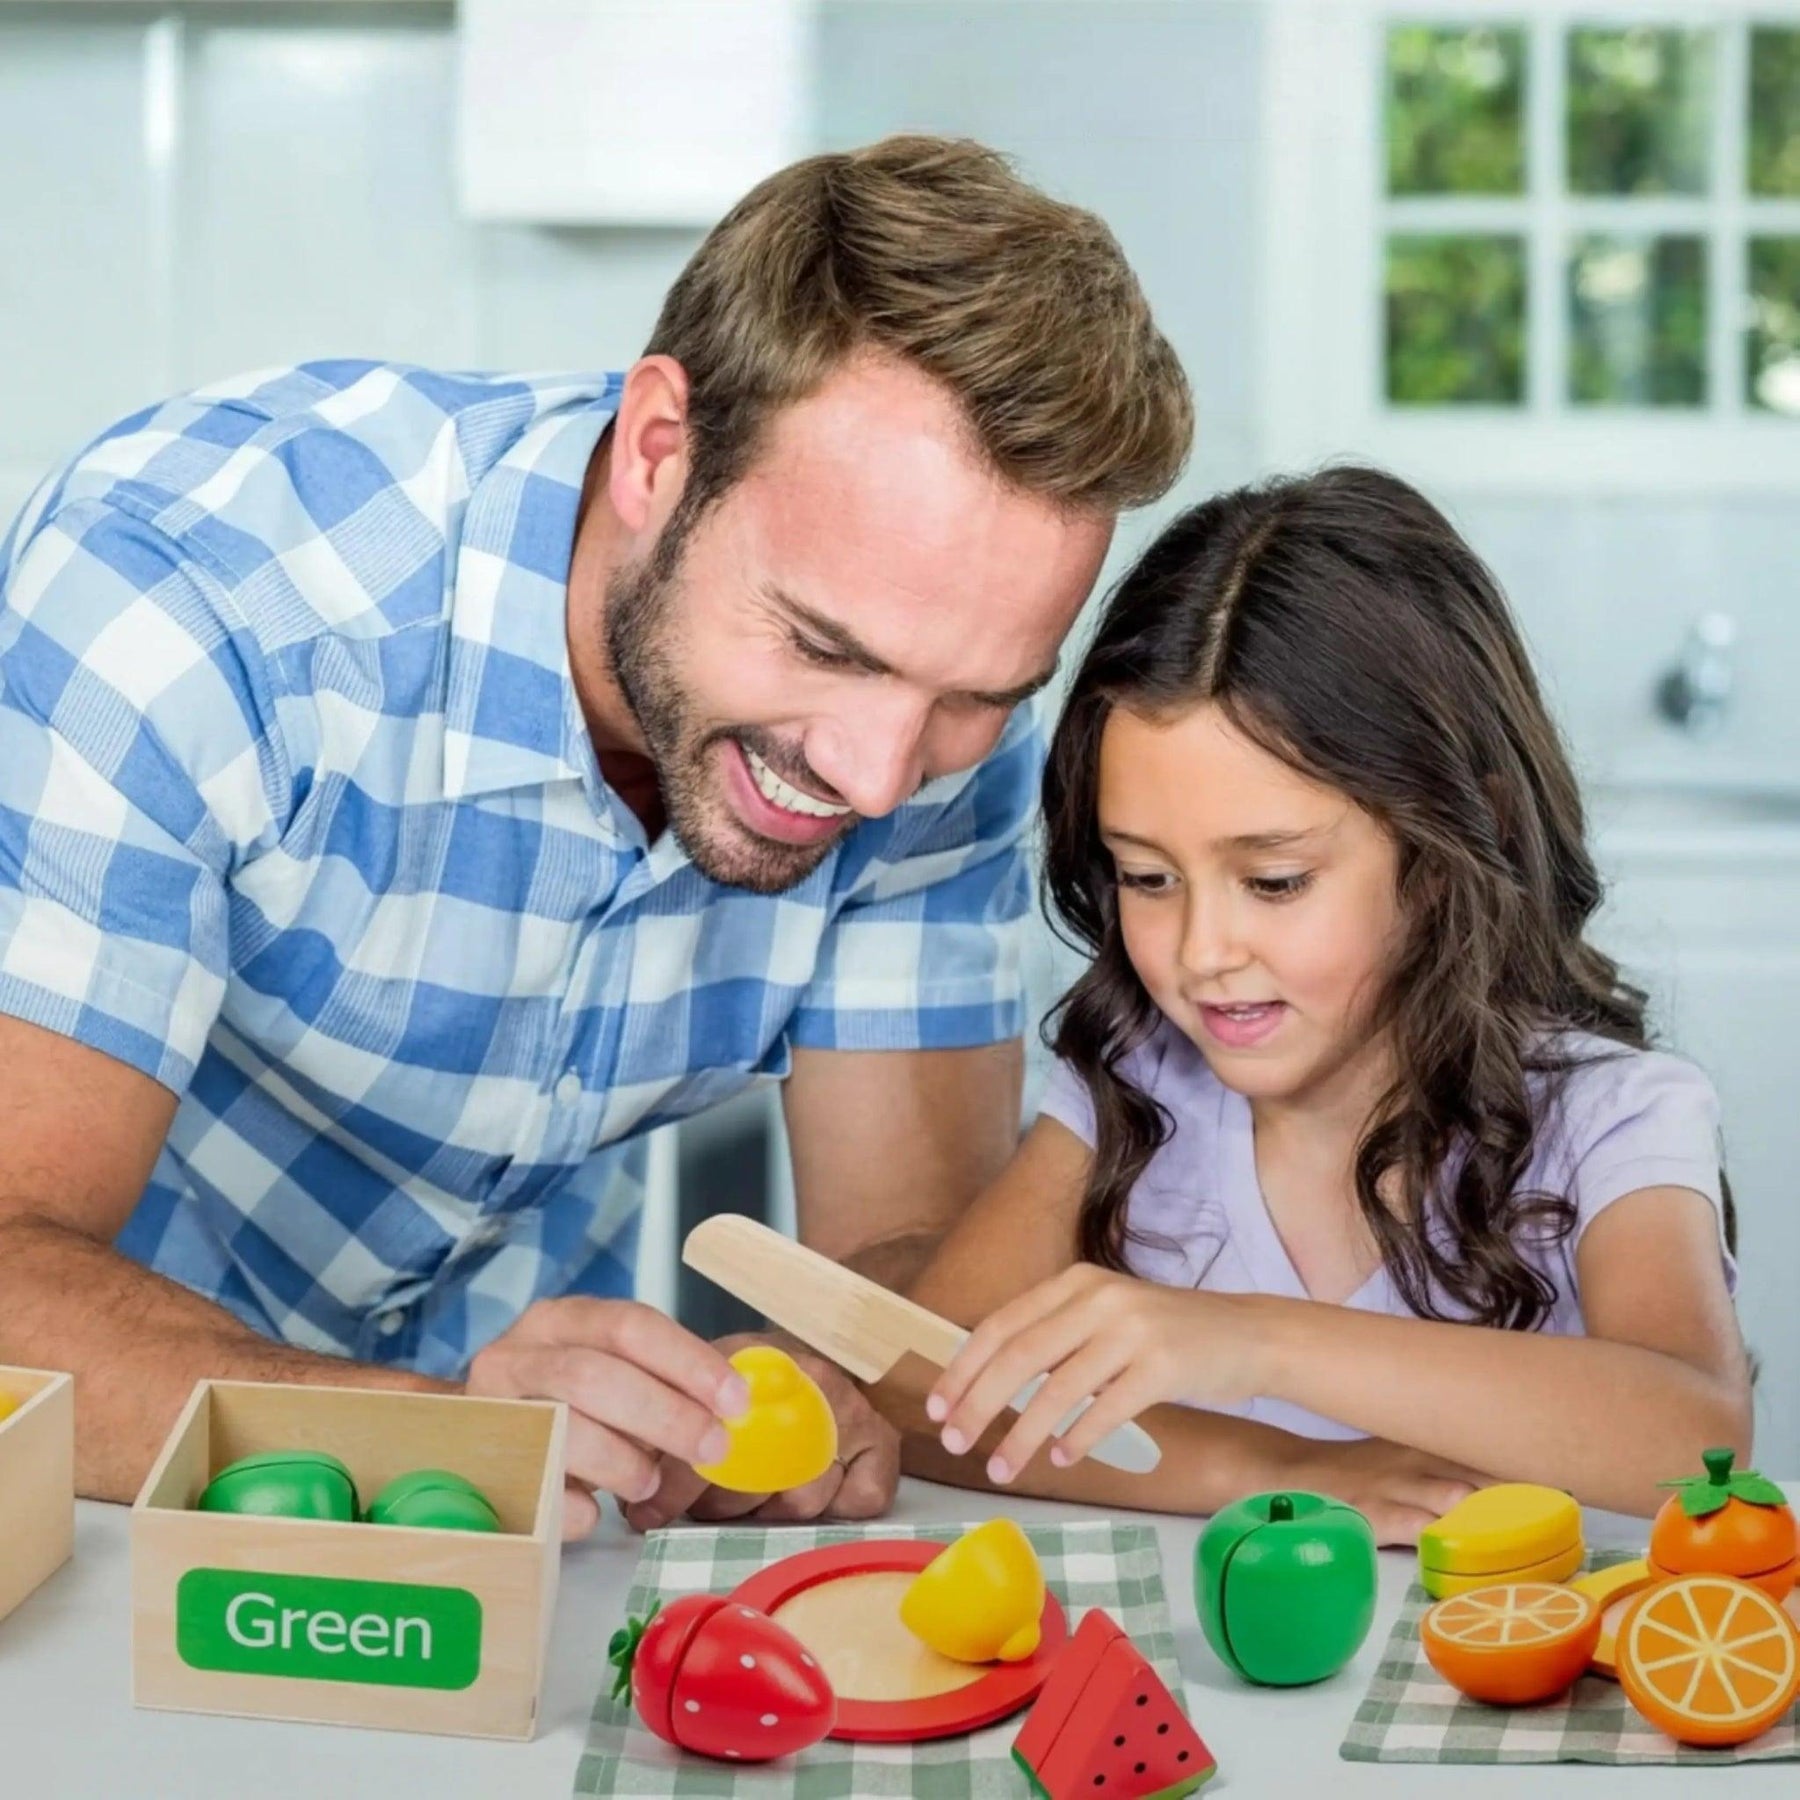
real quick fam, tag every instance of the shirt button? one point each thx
(389, 1323)
(568, 1088)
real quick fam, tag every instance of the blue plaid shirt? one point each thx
(299, 816)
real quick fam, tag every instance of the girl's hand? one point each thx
(1129, 1342)
(1399, 1490)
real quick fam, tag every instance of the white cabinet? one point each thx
(1705, 913)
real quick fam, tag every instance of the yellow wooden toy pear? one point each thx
(979, 1600)
(788, 1436)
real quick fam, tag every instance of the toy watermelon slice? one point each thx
(1106, 1724)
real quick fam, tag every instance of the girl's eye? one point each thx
(1278, 887)
(1144, 884)
(821, 656)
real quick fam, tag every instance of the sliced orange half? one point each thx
(1511, 1644)
(1709, 1659)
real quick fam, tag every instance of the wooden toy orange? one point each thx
(1709, 1659)
(1726, 1523)
(1512, 1644)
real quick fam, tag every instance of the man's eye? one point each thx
(821, 656)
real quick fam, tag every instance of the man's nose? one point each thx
(873, 753)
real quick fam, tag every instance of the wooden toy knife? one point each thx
(857, 1323)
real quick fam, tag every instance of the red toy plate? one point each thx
(994, 1694)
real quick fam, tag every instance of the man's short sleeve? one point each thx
(137, 768)
(924, 951)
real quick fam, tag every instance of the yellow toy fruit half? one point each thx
(980, 1599)
(788, 1435)
(8, 1405)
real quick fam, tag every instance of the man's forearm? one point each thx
(896, 1262)
(136, 1344)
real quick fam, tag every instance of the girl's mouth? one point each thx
(1240, 1027)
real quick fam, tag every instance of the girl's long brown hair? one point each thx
(1342, 624)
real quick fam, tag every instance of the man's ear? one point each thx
(649, 457)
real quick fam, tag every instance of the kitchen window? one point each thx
(1537, 246)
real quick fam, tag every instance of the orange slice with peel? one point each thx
(1709, 1659)
(1511, 1644)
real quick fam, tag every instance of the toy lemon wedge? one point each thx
(980, 1599)
(788, 1435)
(1514, 1531)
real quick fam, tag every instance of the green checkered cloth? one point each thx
(1087, 1563)
(1410, 1714)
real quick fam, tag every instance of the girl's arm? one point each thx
(1661, 1375)
(1021, 1234)
(1607, 1416)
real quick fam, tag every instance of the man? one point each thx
(416, 787)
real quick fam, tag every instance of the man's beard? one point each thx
(639, 625)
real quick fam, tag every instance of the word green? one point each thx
(319, 1628)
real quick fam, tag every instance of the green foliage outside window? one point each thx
(1772, 343)
(1640, 111)
(1774, 111)
(1637, 321)
(1455, 320)
(1455, 110)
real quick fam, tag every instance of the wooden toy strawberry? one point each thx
(711, 1675)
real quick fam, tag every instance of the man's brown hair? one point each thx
(932, 250)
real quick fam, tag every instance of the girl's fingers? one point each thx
(985, 1342)
(1398, 1525)
(1035, 1351)
(1084, 1373)
(1116, 1404)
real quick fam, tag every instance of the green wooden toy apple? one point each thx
(435, 1499)
(1285, 1586)
(294, 1484)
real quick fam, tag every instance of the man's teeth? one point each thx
(789, 799)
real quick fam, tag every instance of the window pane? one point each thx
(1455, 110)
(1774, 111)
(1772, 373)
(1637, 321)
(1455, 320)
(1640, 110)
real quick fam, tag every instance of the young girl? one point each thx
(1355, 1141)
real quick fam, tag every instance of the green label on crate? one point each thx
(387, 1633)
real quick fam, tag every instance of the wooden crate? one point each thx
(351, 1624)
(37, 1480)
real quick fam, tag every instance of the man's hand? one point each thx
(638, 1387)
(859, 1485)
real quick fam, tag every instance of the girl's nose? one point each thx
(1210, 943)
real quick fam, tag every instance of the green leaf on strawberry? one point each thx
(621, 1651)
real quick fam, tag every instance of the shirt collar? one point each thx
(511, 709)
